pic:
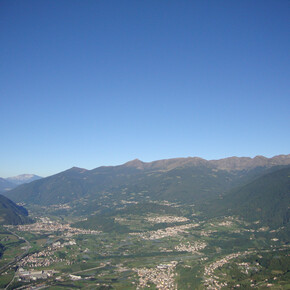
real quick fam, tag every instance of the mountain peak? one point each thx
(135, 163)
(77, 169)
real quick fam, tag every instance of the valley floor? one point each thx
(160, 251)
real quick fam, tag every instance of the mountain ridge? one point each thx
(186, 179)
(228, 163)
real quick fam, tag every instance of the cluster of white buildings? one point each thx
(191, 248)
(162, 276)
(164, 233)
(45, 225)
(166, 219)
(27, 276)
(225, 223)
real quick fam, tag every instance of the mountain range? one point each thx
(181, 180)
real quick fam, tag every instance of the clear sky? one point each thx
(101, 82)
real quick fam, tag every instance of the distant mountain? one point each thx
(12, 182)
(266, 199)
(179, 180)
(11, 213)
(5, 185)
(23, 178)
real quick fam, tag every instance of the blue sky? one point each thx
(91, 83)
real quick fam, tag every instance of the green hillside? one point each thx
(59, 188)
(11, 213)
(266, 199)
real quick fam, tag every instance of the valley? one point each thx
(160, 251)
(124, 235)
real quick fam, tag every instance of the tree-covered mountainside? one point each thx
(180, 180)
(11, 213)
(266, 199)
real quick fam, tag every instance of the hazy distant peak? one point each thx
(23, 178)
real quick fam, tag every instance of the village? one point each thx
(163, 233)
(191, 248)
(46, 225)
(47, 256)
(166, 219)
(162, 276)
(211, 281)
